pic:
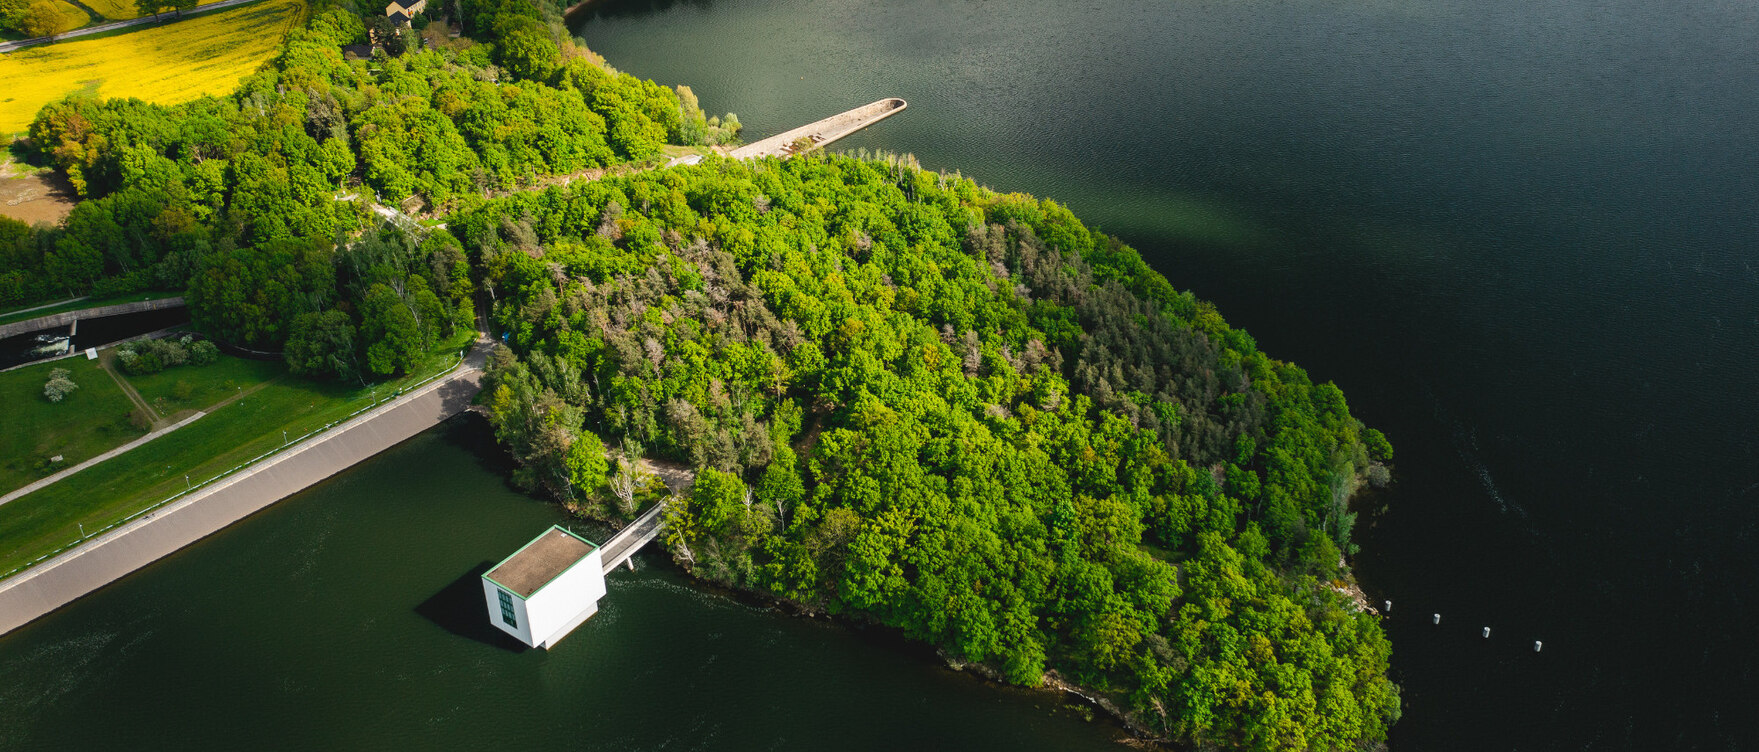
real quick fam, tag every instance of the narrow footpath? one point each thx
(107, 362)
(160, 428)
(43, 483)
(45, 305)
(105, 558)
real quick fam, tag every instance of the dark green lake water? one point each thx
(1523, 236)
(351, 617)
(1520, 235)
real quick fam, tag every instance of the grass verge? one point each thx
(164, 64)
(90, 421)
(80, 305)
(49, 520)
(186, 387)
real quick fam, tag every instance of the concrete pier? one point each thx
(821, 133)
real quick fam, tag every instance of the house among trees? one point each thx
(401, 14)
(546, 588)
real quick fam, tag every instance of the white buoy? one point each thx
(1389, 606)
(1487, 633)
(1436, 619)
(1537, 645)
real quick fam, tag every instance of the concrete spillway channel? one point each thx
(66, 318)
(821, 133)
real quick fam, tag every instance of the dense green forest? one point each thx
(910, 400)
(955, 412)
(255, 201)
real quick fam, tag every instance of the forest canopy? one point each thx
(908, 399)
(955, 412)
(299, 150)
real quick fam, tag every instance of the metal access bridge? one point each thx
(630, 539)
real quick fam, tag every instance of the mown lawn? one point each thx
(190, 387)
(88, 422)
(44, 521)
(11, 312)
(166, 64)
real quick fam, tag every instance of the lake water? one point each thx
(351, 617)
(1520, 235)
(1523, 236)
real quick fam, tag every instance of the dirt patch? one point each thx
(33, 196)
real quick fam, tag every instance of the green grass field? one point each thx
(90, 421)
(174, 390)
(49, 519)
(8, 313)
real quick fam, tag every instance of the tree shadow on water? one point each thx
(473, 433)
(459, 608)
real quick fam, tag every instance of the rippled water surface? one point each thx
(1522, 236)
(351, 617)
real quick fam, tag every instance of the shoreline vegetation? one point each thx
(910, 400)
(960, 414)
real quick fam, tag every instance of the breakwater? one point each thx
(822, 132)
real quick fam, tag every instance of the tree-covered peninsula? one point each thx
(909, 400)
(959, 413)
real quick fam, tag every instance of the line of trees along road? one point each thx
(36, 18)
(910, 399)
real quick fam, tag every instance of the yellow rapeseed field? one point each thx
(166, 64)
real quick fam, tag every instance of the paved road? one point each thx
(114, 25)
